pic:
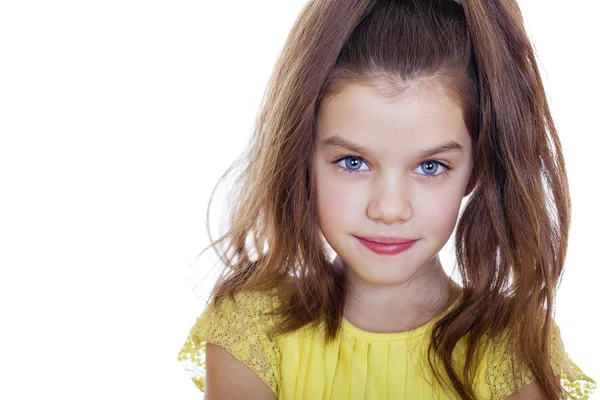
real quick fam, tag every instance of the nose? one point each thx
(390, 201)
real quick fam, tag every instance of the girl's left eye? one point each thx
(428, 165)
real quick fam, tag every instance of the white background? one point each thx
(116, 120)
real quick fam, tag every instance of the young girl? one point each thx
(380, 118)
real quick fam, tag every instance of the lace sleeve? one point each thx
(503, 380)
(239, 327)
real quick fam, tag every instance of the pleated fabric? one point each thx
(357, 365)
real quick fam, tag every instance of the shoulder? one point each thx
(508, 379)
(259, 303)
(250, 306)
(245, 311)
(240, 327)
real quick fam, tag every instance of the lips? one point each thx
(387, 239)
(386, 248)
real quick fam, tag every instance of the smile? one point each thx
(386, 249)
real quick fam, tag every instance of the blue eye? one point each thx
(433, 166)
(352, 164)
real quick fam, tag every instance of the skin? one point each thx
(392, 194)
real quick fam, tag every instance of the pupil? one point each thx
(430, 164)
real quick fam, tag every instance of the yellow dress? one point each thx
(357, 365)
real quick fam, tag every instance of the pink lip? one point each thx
(394, 245)
(387, 239)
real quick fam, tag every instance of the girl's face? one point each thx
(375, 176)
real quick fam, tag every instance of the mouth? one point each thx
(387, 248)
(386, 239)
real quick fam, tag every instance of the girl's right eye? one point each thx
(349, 164)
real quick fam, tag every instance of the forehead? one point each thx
(423, 115)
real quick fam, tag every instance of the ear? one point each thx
(472, 183)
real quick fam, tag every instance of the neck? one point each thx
(400, 306)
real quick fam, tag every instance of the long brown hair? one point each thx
(511, 238)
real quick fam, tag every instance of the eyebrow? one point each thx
(337, 141)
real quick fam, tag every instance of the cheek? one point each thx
(442, 207)
(337, 202)
(440, 213)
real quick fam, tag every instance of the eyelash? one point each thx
(350, 172)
